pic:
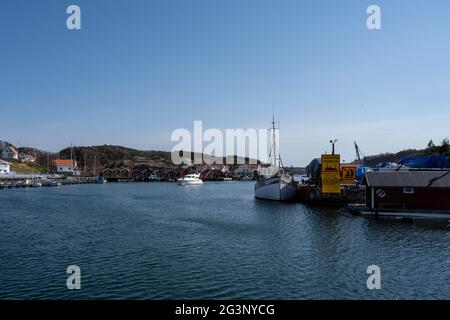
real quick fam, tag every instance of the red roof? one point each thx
(12, 149)
(64, 162)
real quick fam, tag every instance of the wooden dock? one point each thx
(25, 180)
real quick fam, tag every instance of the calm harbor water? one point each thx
(214, 241)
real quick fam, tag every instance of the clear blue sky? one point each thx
(140, 69)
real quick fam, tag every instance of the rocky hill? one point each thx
(112, 156)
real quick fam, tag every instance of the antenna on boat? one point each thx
(274, 150)
(274, 146)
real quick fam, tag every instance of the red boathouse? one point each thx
(400, 191)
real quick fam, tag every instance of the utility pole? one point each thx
(333, 142)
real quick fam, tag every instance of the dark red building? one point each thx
(408, 191)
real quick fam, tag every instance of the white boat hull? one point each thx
(190, 179)
(188, 183)
(276, 189)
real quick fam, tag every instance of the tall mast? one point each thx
(274, 147)
(71, 158)
(95, 164)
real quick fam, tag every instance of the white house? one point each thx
(10, 153)
(68, 167)
(4, 167)
(26, 157)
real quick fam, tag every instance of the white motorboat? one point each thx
(190, 179)
(272, 182)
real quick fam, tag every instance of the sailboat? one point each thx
(272, 182)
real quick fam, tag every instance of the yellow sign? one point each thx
(331, 163)
(331, 173)
(331, 182)
(349, 174)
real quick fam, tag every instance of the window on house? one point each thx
(408, 190)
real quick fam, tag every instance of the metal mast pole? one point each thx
(95, 164)
(274, 142)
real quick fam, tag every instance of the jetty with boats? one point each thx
(33, 181)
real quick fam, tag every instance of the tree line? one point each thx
(443, 149)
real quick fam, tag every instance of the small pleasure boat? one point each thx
(190, 179)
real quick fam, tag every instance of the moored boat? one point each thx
(272, 182)
(101, 180)
(35, 183)
(51, 183)
(279, 187)
(190, 179)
